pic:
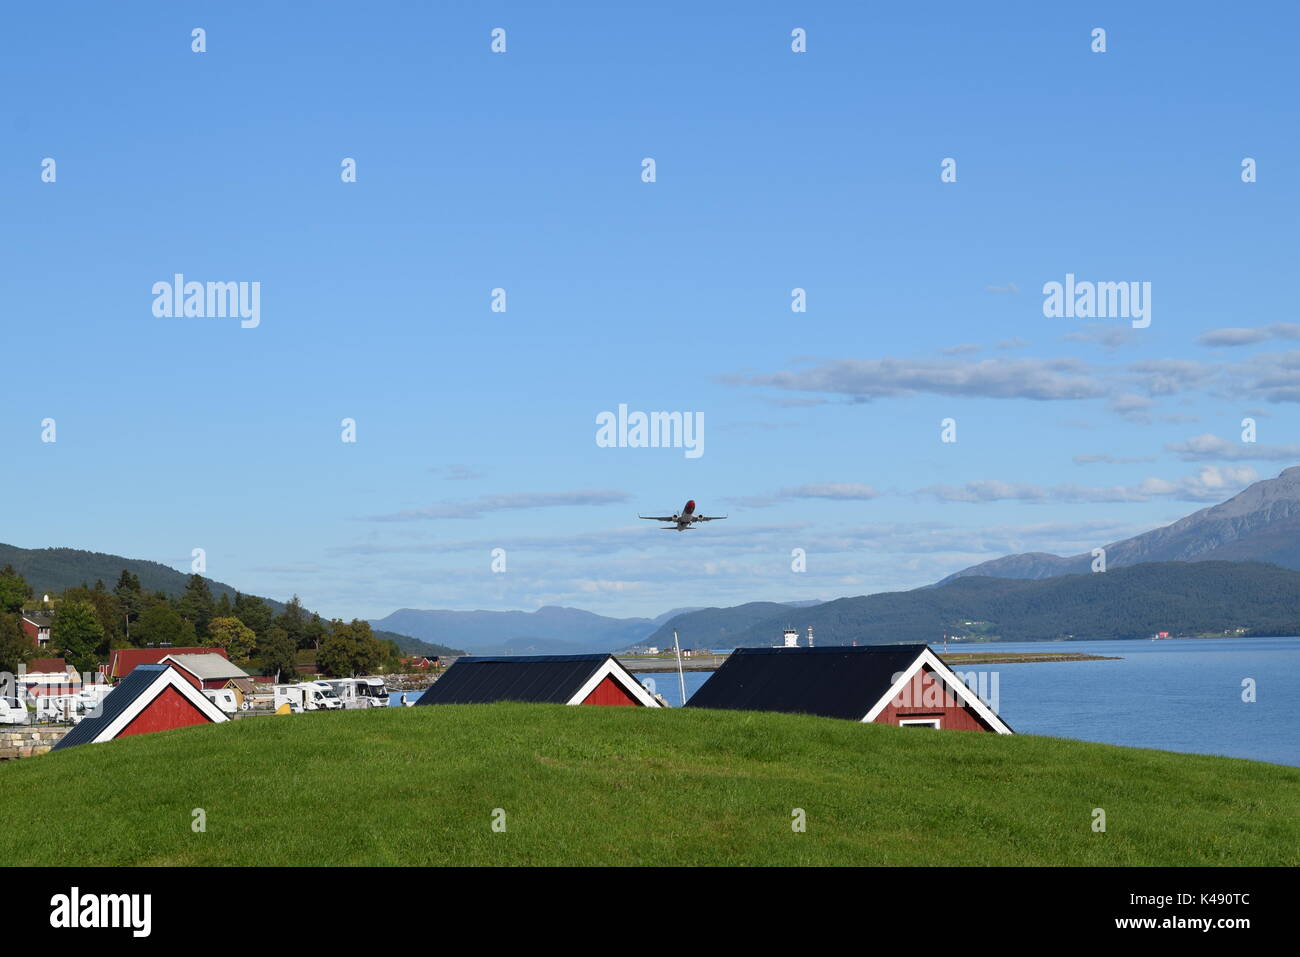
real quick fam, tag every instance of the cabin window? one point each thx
(918, 722)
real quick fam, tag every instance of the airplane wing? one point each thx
(709, 518)
(657, 518)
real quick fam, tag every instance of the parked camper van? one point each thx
(346, 690)
(307, 696)
(360, 692)
(13, 711)
(375, 690)
(60, 708)
(323, 696)
(223, 698)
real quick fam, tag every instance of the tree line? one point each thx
(88, 622)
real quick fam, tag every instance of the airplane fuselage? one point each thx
(686, 516)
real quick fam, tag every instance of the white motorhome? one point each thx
(12, 711)
(223, 698)
(360, 692)
(373, 689)
(307, 696)
(346, 689)
(60, 708)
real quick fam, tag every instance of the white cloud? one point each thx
(1209, 447)
(1108, 335)
(865, 379)
(1229, 337)
(844, 491)
(1210, 483)
(1105, 458)
(477, 508)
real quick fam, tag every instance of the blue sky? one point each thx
(522, 170)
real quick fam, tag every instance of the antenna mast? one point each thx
(681, 678)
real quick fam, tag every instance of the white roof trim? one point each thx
(943, 672)
(612, 668)
(169, 678)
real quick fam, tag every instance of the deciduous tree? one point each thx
(162, 624)
(233, 635)
(350, 649)
(77, 633)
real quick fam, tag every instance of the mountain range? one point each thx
(551, 630)
(1259, 524)
(1183, 598)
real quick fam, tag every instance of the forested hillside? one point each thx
(98, 602)
(1183, 598)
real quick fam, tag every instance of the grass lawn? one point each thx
(588, 785)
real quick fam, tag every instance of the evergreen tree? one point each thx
(128, 592)
(14, 590)
(279, 654)
(315, 632)
(196, 605)
(294, 621)
(254, 613)
(16, 647)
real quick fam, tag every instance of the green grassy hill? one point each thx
(632, 786)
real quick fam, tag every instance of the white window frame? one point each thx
(932, 722)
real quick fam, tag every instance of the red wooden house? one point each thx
(903, 685)
(150, 698)
(36, 626)
(122, 661)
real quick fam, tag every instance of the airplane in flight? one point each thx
(683, 520)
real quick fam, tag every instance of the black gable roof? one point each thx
(114, 703)
(553, 679)
(834, 682)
